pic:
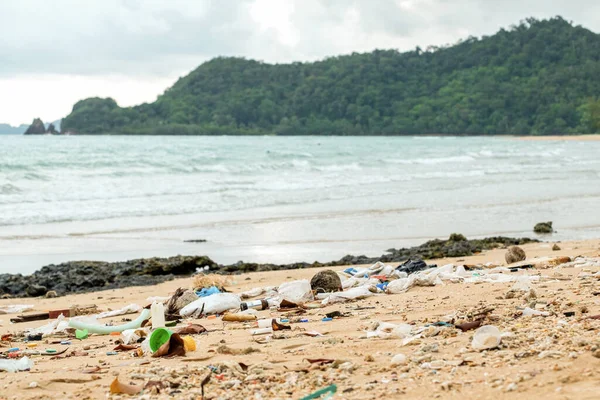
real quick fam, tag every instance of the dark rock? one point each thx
(327, 281)
(86, 276)
(37, 127)
(515, 254)
(36, 290)
(52, 130)
(556, 247)
(543, 227)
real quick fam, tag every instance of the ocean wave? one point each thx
(9, 188)
(432, 161)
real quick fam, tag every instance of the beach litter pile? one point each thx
(356, 332)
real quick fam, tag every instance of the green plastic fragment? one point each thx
(329, 391)
(81, 334)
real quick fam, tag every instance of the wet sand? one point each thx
(544, 357)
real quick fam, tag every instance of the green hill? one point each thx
(540, 77)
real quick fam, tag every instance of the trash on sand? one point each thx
(261, 331)
(356, 293)
(327, 392)
(180, 299)
(130, 309)
(486, 337)
(175, 346)
(30, 317)
(386, 330)
(412, 266)
(297, 292)
(189, 343)
(125, 347)
(132, 335)
(312, 333)
(15, 308)
(215, 304)
(23, 364)
(117, 387)
(255, 304)
(192, 329)
(205, 292)
(276, 326)
(81, 334)
(106, 330)
(157, 312)
(467, 326)
(238, 317)
(159, 337)
(530, 312)
(248, 294)
(56, 326)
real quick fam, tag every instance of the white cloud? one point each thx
(57, 52)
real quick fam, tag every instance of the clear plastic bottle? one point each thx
(157, 310)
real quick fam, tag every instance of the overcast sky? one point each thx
(55, 52)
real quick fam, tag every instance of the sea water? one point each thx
(281, 199)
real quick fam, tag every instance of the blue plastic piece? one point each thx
(205, 292)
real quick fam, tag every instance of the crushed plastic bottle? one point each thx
(23, 364)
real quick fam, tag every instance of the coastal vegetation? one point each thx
(538, 77)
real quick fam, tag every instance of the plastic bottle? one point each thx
(255, 304)
(23, 364)
(157, 310)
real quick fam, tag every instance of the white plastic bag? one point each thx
(130, 309)
(15, 308)
(297, 292)
(214, 304)
(356, 293)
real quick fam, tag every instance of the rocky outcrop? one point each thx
(37, 127)
(52, 130)
(543, 227)
(87, 276)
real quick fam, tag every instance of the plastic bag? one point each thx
(386, 330)
(215, 304)
(357, 293)
(130, 309)
(297, 292)
(15, 308)
(56, 326)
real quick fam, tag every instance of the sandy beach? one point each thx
(539, 356)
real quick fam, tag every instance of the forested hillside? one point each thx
(540, 77)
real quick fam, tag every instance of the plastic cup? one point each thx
(159, 337)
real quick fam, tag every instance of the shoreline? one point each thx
(86, 276)
(555, 369)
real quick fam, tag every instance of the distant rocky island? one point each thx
(38, 127)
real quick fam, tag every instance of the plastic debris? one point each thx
(106, 330)
(130, 309)
(487, 337)
(297, 292)
(23, 364)
(324, 394)
(15, 308)
(205, 292)
(217, 303)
